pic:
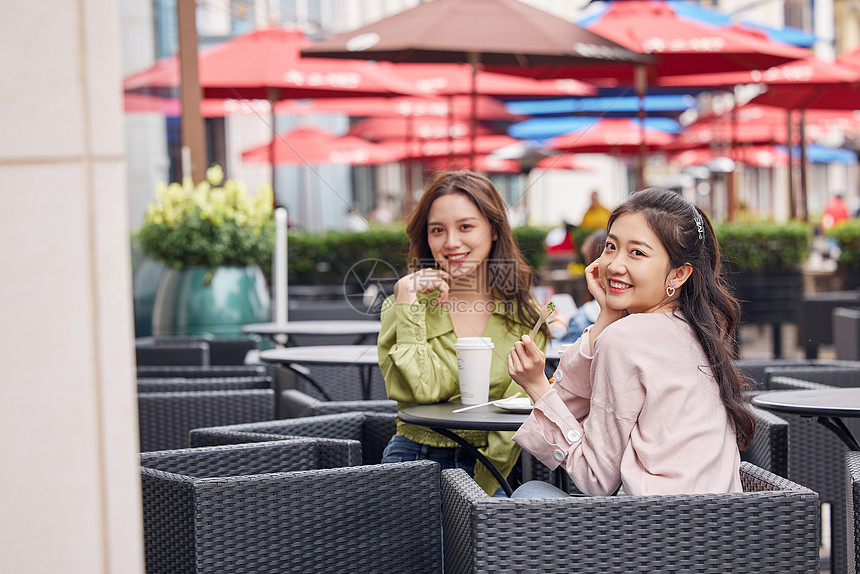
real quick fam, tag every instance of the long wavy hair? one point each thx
(508, 274)
(704, 299)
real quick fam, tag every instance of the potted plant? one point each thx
(847, 237)
(764, 261)
(213, 239)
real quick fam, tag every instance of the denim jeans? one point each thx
(401, 449)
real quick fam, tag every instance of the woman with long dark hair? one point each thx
(467, 279)
(649, 397)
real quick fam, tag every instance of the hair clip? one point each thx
(700, 225)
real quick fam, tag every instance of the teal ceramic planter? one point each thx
(145, 282)
(186, 306)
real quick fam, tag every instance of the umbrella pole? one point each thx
(801, 213)
(406, 205)
(279, 266)
(641, 82)
(450, 128)
(792, 205)
(731, 192)
(273, 97)
(474, 59)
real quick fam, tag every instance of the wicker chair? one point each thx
(755, 368)
(769, 447)
(178, 353)
(836, 374)
(222, 350)
(166, 418)
(294, 403)
(288, 507)
(852, 468)
(372, 430)
(202, 372)
(816, 460)
(771, 527)
(170, 385)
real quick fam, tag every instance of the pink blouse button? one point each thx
(573, 435)
(558, 455)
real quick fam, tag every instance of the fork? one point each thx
(470, 407)
(545, 312)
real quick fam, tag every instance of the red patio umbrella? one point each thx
(483, 162)
(723, 134)
(209, 107)
(488, 108)
(482, 144)
(681, 46)
(563, 161)
(267, 64)
(489, 32)
(801, 74)
(456, 79)
(309, 145)
(422, 128)
(754, 155)
(619, 136)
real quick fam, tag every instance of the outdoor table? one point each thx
(365, 357)
(441, 418)
(362, 329)
(829, 406)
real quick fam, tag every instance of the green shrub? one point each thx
(326, 258)
(764, 245)
(208, 224)
(847, 235)
(532, 243)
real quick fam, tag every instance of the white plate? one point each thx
(515, 404)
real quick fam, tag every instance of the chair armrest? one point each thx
(764, 530)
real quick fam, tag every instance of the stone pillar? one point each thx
(68, 416)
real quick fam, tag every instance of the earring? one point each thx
(670, 290)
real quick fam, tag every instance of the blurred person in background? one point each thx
(596, 216)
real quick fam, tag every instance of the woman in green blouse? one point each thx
(467, 279)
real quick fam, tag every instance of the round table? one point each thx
(362, 356)
(361, 329)
(828, 405)
(441, 418)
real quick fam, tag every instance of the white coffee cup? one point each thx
(474, 356)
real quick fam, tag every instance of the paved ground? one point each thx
(757, 343)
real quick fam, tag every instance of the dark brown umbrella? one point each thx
(504, 33)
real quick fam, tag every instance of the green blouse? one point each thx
(419, 364)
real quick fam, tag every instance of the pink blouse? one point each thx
(644, 411)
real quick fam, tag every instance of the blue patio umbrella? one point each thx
(664, 104)
(693, 11)
(823, 154)
(545, 128)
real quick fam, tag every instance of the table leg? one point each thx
(777, 340)
(480, 457)
(562, 479)
(365, 372)
(308, 378)
(838, 427)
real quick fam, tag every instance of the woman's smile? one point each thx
(616, 286)
(457, 258)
